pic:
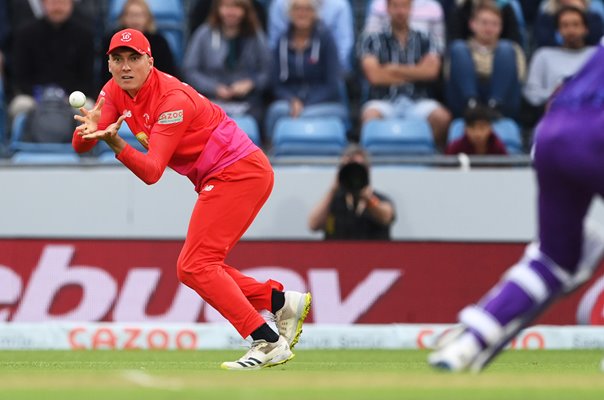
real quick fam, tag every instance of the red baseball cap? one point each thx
(130, 38)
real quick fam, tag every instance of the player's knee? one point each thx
(194, 269)
(182, 272)
(186, 269)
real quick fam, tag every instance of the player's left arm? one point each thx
(175, 114)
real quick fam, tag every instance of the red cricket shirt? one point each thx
(180, 128)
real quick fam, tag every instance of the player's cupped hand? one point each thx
(89, 119)
(109, 134)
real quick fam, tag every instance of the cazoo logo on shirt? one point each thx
(171, 117)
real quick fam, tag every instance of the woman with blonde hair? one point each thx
(306, 74)
(136, 14)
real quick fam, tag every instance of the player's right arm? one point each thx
(102, 115)
(164, 138)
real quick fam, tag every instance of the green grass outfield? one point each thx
(316, 374)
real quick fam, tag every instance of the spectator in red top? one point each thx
(184, 130)
(478, 137)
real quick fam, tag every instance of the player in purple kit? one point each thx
(568, 158)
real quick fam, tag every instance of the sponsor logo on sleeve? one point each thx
(143, 139)
(171, 117)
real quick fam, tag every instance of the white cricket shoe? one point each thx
(291, 316)
(456, 350)
(262, 354)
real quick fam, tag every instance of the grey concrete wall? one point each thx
(109, 202)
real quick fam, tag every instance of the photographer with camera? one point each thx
(352, 210)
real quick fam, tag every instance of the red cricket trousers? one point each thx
(227, 204)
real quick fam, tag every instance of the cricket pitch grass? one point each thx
(312, 374)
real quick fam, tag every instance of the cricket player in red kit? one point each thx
(182, 129)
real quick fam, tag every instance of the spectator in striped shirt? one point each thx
(399, 63)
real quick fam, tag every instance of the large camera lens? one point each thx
(353, 177)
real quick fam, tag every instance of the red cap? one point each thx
(130, 38)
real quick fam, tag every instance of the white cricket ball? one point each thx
(77, 99)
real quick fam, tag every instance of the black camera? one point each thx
(353, 177)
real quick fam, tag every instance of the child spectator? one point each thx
(478, 137)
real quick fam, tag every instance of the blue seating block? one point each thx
(26, 157)
(396, 136)
(309, 136)
(16, 144)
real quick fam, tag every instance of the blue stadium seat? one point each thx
(396, 136)
(16, 144)
(26, 157)
(175, 36)
(506, 129)
(249, 125)
(169, 18)
(324, 136)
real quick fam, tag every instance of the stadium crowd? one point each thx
(265, 60)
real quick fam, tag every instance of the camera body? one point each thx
(353, 177)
